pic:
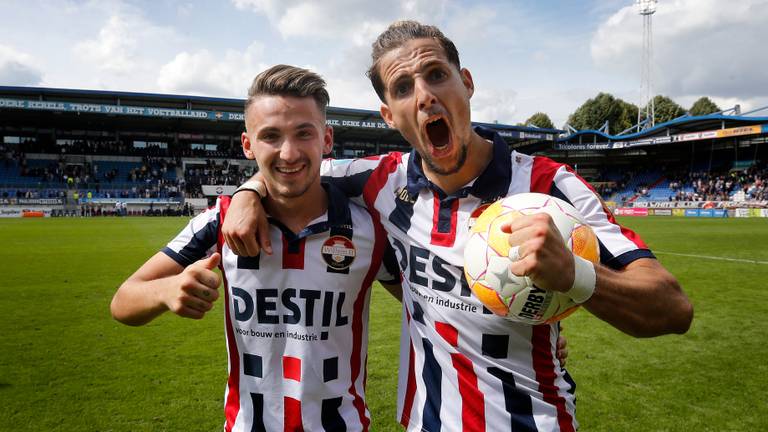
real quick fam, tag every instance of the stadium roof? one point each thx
(684, 128)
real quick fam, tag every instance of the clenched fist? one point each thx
(542, 254)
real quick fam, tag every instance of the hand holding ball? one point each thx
(487, 257)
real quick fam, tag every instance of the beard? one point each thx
(462, 158)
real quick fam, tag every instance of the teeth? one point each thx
(288, 170)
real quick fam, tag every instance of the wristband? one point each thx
(584, 280)
(255, 186)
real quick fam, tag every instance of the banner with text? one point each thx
(164, 112)
(632, 211)
(693, 136)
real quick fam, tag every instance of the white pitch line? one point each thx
(712, 257)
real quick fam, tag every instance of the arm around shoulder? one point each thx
(245, 229)
(643, 299)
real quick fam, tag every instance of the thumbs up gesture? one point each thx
(195, 289)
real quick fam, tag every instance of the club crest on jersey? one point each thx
(476, 214)
(338, 252)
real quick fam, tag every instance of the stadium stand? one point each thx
(95, 151)
(81, 152)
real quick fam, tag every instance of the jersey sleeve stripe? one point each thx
(352, 185)
(622, 260)
(195, 241)
(542, 174)
(378, 179)
(628, 233)
(180, 260)
(544, 365)
(351, 175)
(561, 181)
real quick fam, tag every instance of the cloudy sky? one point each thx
(525, 56)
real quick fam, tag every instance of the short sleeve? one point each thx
(197, 240)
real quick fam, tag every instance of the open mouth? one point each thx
(439, 133)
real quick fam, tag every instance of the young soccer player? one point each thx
(462, 368)
(297, 320)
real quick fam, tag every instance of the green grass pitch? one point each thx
(65, 365)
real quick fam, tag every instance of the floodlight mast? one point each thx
(647, 110)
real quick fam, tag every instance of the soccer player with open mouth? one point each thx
(461, 366)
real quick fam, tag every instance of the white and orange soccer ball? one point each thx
(487, 260)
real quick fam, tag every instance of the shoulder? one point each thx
(367, 163)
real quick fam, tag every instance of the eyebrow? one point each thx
(428, 64)
(267, 129)
(271, 129)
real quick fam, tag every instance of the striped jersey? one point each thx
(296, 322)
(462, 368)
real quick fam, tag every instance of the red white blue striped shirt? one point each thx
(296, 321)
(463, 368)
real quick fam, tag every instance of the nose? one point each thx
(424, 96)
(289, 151)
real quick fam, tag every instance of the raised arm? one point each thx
(641, 299)
(161, 284)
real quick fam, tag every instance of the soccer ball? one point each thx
(486, 259)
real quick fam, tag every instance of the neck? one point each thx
(479, 155)
(297, 212)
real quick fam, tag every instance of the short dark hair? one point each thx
(395, 36)
(285, 80)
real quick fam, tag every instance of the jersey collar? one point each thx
(491, 184)
(337, 215)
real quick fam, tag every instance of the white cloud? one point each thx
(126, 43)
(701, 47)
(114, 50)
(342, 20)
(494, 105)
(205, 73)
(17, 68)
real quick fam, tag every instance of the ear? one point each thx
(328, 140)
(246, 142)
(386, 114)
(466, 78)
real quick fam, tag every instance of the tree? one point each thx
(540, 120)
(628, 117)
(593, 113)
(666, 109)
(704, 106)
